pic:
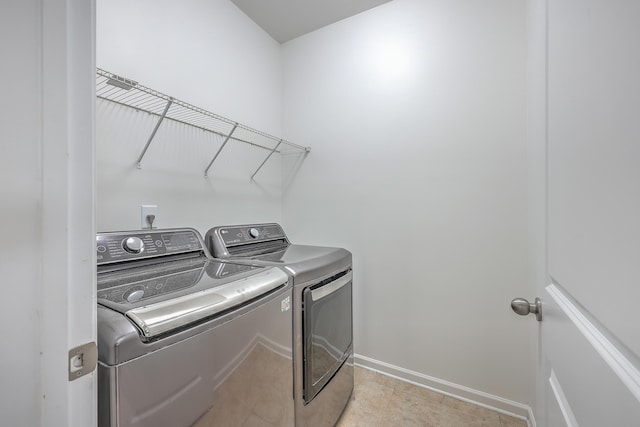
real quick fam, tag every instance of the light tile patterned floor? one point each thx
(381, 401)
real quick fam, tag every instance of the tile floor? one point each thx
(381, 401)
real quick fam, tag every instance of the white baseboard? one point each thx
(480, 398)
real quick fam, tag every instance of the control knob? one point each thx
(133, 245)
(253, 232)
(134, 294)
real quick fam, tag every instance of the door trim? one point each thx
(563, 403)
(623, 368)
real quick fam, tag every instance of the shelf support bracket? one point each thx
(206, 171)
(153, 133)
(265, 160)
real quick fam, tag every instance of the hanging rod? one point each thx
(130, 93)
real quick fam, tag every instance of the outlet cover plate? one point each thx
(148, 210)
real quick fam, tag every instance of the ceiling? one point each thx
(287, 19)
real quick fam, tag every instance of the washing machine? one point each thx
(322, 312)
(187, 340)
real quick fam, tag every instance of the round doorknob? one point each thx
(523, 307)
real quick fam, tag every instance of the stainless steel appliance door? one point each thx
(327, 331)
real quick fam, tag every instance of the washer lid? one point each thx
(157, 319)
(168, 295)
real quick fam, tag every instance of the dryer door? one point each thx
(327, 331)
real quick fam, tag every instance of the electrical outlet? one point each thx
(145, 211)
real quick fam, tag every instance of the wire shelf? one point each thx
(127, 92)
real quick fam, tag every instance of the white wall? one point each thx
(207, 53)
(416, 112)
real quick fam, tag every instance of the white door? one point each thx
(590, 333)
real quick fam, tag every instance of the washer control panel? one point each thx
(125, 246)
(250, 233)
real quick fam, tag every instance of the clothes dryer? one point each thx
(322, 310)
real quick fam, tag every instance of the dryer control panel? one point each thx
(245, 240)
(126, 246)
(250, 233)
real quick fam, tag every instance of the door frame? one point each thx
(67, 300)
